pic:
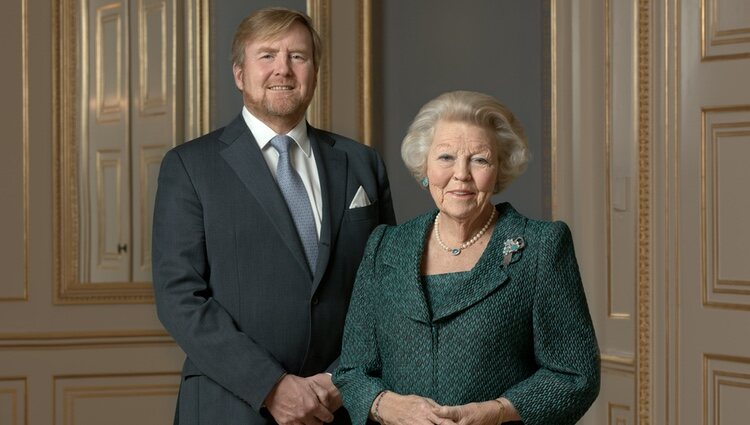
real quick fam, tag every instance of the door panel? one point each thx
(713, 274)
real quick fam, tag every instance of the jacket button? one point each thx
(315, 301)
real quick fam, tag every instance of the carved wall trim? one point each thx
(70, 392)
(16, 388)
(83, 339)
(644, 363)
(719, 124)
(21, 292)
(68, 288)
(553, 122)
(319, 111)
(25, 130)
(197, 75)
(364, 71)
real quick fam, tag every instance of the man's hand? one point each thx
(327, 393)
(294, 400)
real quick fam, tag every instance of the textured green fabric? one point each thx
(438, 289)
(523, 331)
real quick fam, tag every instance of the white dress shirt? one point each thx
(301, 156)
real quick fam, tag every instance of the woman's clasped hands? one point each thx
(396, 409)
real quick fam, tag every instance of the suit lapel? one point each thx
(488, 274)
(482, 280)
(404, 277)
(245, 158)
(332, 166)
(485, 278)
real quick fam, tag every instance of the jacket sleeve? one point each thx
(181, 271)
(358, 373)
(567, 381)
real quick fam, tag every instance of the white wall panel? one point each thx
(725, 29)
(14, 157)
(145, 399)
(13, 401)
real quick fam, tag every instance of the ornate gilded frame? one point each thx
(68, 288)
(560, 126)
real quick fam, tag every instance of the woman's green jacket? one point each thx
(521, 331)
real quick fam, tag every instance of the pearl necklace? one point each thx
(470, 242)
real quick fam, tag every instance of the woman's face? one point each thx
(462, 169)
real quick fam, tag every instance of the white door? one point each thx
(128, 123)
(712, 382)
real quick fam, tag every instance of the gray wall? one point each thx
(423, 48)
(428, 47)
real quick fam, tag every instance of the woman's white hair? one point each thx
(474, 108)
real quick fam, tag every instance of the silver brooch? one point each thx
(509, 247)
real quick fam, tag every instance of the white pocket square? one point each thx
(360, 199)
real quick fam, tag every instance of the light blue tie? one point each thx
(296, 198)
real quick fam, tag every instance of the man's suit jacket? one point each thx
(231, 280)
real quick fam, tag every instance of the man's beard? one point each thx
(283, 107)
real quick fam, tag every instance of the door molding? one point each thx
(67, 45)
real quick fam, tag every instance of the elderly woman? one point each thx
(471, 313)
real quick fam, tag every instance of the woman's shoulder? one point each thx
(412, 227)
(536, 225)
(538, 228)
(394, 243)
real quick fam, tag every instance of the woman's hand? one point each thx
(396, 409)
(484, 413)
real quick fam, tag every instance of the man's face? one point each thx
(277, 78)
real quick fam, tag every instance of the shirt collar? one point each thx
(263, 133)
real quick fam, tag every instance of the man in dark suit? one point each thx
(256, 243)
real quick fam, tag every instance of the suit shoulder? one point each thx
(196, 151)
(338, 138)
(200, 145)
(346, 144)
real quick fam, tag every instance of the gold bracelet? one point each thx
(375, 413)
(502, 410)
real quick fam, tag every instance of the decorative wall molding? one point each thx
(68, 223)
(644, 298)
(618, 364)
(83, 339)
(719, 40)
(153, 91)
(618, 414)
(25, 129)
(87, 395)
(15, 391)
(723, 374)
(19, 291)
(364, 71)
(197, 74)
(723, 126)
(319, 111)
(615, 359)
(620, 127)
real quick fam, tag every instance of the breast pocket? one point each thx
(369, 212)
